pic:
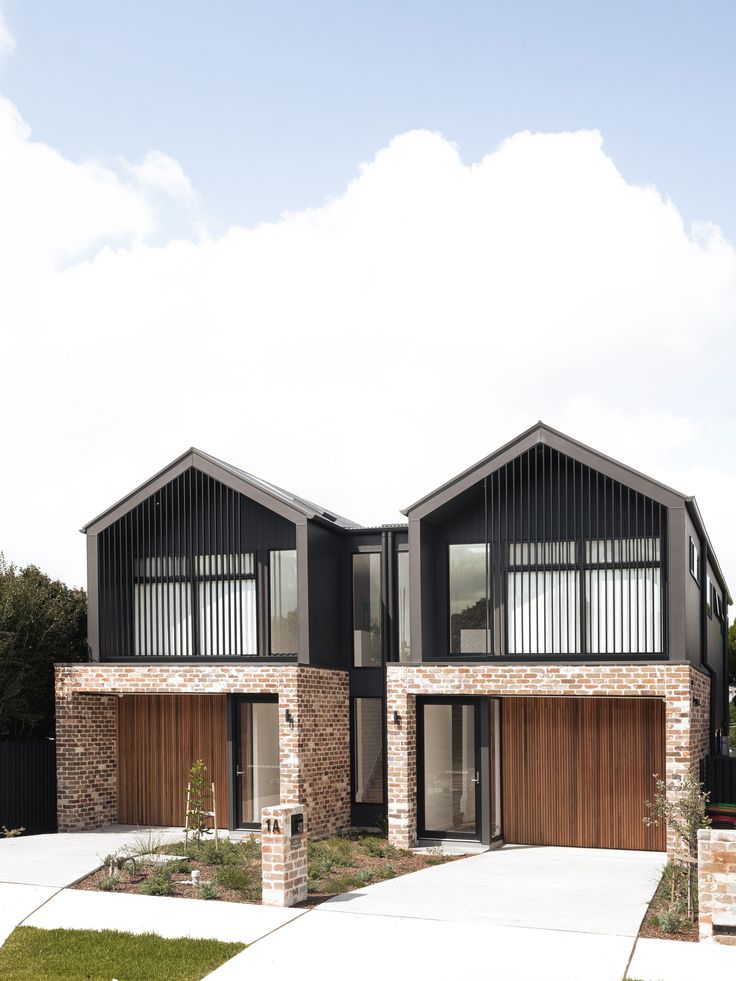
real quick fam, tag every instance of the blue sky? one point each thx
(281, 231)
(269, 106)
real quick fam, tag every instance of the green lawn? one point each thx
(30, 954)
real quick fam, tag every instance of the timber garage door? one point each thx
(576, 771)
(159, 738)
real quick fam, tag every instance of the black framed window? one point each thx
(367, 648)
(694, 561)
(283, 607)
(368, 751)
(468, 577)
(543, 598)
(623, 596)
(203, 605)
(403, 620)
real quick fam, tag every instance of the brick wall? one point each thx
(679, 684)
(717, 885)
(86, 771)
(314, 752)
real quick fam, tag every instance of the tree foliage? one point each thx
(42, 621)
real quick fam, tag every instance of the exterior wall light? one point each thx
(397, 718)
(289, 717)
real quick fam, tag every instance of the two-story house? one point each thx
(547, 633)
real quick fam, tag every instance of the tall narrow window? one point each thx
(367, 610)
(623, 596)
(283, 600)
(226, 590)
(402, 605)
(468, 603)
(543, 598)
(368, 750)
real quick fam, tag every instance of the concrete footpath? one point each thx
(35, 871)
(676, 960)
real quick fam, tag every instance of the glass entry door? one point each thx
(449, 769)
(256, 758)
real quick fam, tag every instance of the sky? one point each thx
(352, 248)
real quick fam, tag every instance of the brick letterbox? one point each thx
(284, 854)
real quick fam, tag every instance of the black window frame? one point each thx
(354, 746)
(191, 580)
(359, 551)
(268, 611)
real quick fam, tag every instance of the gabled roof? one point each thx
(542, 433)
(283, 502)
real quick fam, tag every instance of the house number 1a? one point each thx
(272, 826)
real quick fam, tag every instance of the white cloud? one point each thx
(7, 41)
(360, 352)
(161, 173)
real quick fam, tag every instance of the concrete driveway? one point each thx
(515, 914)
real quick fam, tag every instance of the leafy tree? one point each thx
(42, 621)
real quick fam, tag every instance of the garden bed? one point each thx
(231, 871)
(663, 919)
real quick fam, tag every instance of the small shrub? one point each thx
(366, 875)
(159, 884)
(11, 832)
(224, 853)
(378, 847)
(670, 921)
(178, 867)
(337, 851)
(233, 877)
(208, 891)
(387, 872)
(382, 825)
(108, 883)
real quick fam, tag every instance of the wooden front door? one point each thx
(577, 771)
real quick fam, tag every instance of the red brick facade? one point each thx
(684, 690)
(314, 747)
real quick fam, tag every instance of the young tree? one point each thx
(42, 621)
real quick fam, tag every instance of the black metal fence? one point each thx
(28, 785)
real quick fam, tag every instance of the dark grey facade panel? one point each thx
(325, 590)
(182, 573)
(544, 434)
(609, 535)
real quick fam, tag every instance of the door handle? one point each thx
(239, 773)
(476, 778)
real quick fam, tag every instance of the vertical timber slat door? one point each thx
(577, 771)
(159, 738)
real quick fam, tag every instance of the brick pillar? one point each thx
(687, 721)
(401, 758)
(283, 856)
(86, 766)
(717, 886)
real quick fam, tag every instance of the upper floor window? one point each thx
(204, 606)
(623, 596)
(468, 575)
(367, 651)
(694, 562)
(283, 602)
(543, 598)
(402, 606)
